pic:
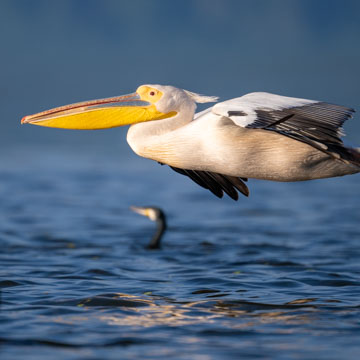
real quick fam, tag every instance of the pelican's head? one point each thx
(149, 102)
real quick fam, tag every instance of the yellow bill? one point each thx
(99, 114)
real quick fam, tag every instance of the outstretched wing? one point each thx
(316, 123)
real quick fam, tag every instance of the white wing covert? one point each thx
(314, 122)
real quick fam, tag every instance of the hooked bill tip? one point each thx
(23, 120)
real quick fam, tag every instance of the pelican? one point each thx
(258, 135)
(157, 215)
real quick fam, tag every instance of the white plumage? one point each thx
(259, 135)
(249, 103)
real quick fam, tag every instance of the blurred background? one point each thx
(59, 52)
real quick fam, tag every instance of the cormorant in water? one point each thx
(154, 214)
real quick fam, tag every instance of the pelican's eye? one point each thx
(148, 93)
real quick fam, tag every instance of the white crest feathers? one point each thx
(201, 98)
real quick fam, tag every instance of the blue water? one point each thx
(273, 276)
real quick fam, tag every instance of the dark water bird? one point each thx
(157, 215)
(259, 135)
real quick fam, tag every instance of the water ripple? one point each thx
(274, 276)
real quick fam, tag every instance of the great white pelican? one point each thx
(258, 135)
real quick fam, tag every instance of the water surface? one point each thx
(273, 276)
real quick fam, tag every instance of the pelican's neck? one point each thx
(146, 136)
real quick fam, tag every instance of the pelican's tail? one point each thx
(353, 156)
(356, 154)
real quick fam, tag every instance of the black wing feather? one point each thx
(318, 124)
(216, 183)
(320, 121)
